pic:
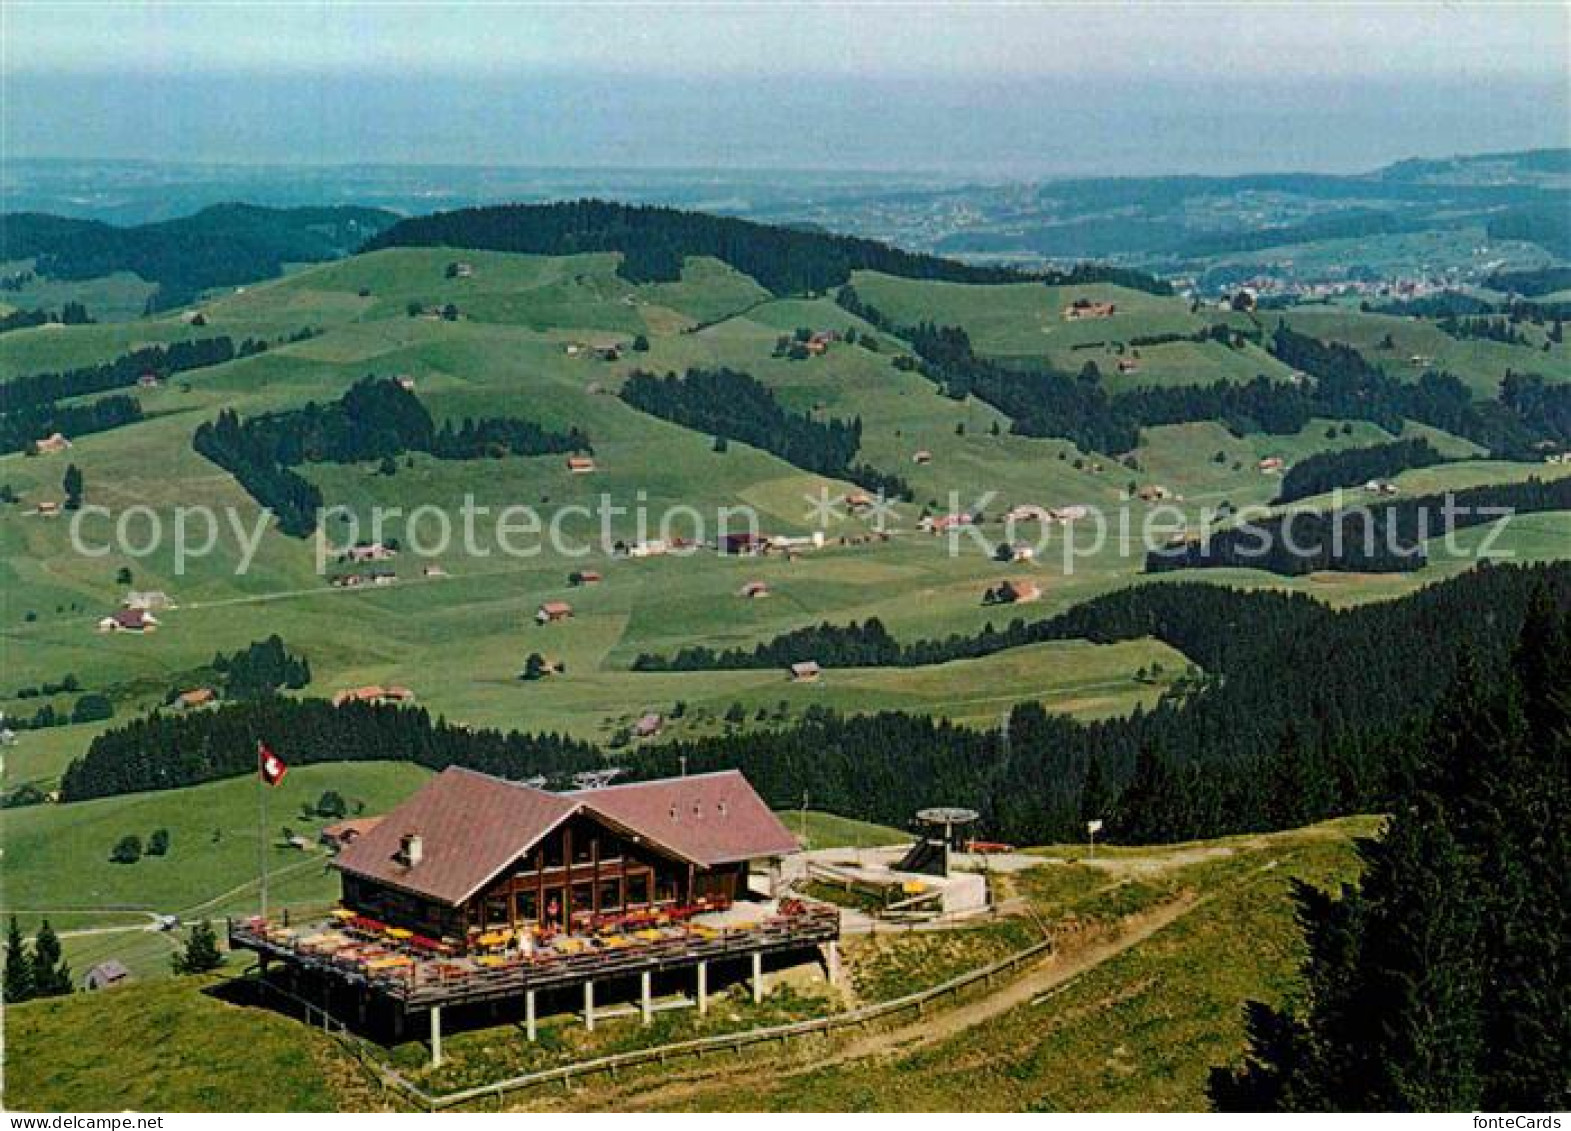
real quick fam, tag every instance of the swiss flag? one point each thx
(272, 766)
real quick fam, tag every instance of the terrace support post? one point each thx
(758, 976)
(646, 999)
(436, 1036)
(529, 1014)
(589, 1005)
(832, 962)
(703, 986)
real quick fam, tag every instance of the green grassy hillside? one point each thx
(176, 1046)
(459, 641)
(57, 856)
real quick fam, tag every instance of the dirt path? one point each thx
(688, 1089)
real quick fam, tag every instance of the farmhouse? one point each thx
(814, 541)
(478, 889)
(1153, 493)
(806, 671)
(550, 612)
(369, 552)
(373, 693)
(744, 543)
(819, 342)
(1083, 308)
(859, 500)
(923, 456)
(128, 620)
(584, 577)
(1128, 365)
(1271, 465)
(754, 590)
(53, 443)
(1029, 512)
(147, 380)
(47, 509)
(937, 524)
(1018, 592)
(580, 465)
(148, 600)
(196, 697)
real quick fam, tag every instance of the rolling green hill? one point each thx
(224, 245)
(522, 345)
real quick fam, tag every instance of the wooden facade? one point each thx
(581, 871)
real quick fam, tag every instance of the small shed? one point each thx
(110, 972)
(341, 833)
(550, 612)
(649, 726)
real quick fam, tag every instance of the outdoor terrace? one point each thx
(420, 973)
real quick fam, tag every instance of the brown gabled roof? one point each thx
(349, 830)
(472, 826)
(710, 819)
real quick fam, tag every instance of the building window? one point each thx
(665, 889)
(496, 911)
(638, 889)
(610, 895)
(553, 851)
(583, 848)
(583, 898)
(528, 903)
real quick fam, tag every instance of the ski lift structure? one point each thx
(938, 837)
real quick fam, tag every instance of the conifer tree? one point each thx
(18, 965)
(201, 952)
(1439, 982)
(51, 973)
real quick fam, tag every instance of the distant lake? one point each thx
(1037, 127)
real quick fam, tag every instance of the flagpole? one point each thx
(261, 839)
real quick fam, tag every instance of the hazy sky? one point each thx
(1023, 86)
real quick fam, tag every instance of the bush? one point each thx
(92, 708)
(128, 851)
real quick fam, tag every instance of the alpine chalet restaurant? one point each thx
(479, 894)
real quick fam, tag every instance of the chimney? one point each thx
(412, 849)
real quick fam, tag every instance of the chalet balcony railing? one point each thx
(436, 981)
